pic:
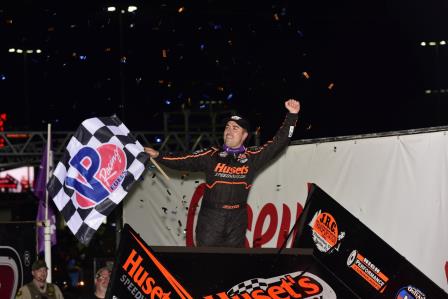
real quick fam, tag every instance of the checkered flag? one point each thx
(100, 164)
(253, 284)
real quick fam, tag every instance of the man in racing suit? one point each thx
(229, 171)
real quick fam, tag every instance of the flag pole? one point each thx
(159, 168)
(47, 232)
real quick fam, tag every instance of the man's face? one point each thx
(234, 135)
(40, 275)
(102, 280)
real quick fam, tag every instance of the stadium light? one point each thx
(433, 43)
(132, 8)
(121, 10)
(25, 51)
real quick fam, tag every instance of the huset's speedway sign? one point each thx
(139, 273)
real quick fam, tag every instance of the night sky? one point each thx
(356, 66)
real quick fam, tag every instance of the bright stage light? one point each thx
(132, 8)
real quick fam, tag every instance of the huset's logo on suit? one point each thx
(223, 168)
(99, 172)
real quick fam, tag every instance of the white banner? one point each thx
(396, 185)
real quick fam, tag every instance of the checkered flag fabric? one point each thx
(253, 284)
(100, 164)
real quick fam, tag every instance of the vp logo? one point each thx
(99, 172)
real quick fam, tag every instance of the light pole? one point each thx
(121, 12)
(437, 89)
(25, 53)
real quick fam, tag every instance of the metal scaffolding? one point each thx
(25, 148)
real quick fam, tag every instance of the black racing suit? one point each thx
(222, 220)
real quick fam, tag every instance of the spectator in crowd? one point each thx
(38, 287)
(102, 278)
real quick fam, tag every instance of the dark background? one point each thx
(356, 66)
(218, 55)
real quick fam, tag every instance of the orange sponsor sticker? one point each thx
(367, 270)
(325, 231)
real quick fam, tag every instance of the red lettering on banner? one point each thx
(197, 196)
(284, 226)
(250, 216)
(268, 211)
(261, 238)
(446, 271)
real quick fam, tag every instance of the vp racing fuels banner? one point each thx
(357, 256)
(100, 164)
(218, 273)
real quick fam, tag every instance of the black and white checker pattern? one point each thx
(253, 284)
(94, 132)
(248, 286)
